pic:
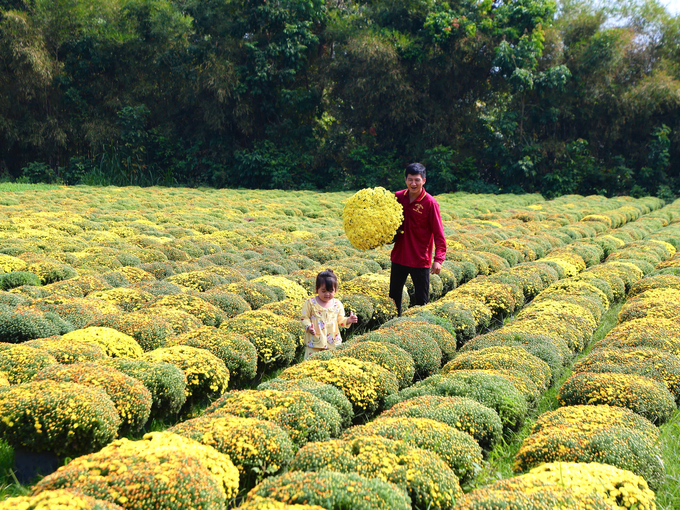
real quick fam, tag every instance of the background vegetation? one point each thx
(493, 96)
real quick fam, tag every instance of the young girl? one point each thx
(323, 314)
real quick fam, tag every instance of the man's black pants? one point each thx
(421, 282)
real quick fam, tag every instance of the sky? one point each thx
(673, 6)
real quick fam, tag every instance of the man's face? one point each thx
(415, 183)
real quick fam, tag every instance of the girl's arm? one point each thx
(306, 318)
(345, 321)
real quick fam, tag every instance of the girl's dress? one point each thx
(327, 322)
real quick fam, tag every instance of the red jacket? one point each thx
(422, 225)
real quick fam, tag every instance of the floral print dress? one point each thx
(327, 322)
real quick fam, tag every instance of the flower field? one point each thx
(150, 338)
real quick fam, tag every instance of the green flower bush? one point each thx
(275, 346)
(423, 475)
(255, 294)
(207, 375)
(79, 312)
(65, 418)
(201, 280)
(365, 384)
(389, 356)
(614, 445)
(591, 417)
(150, 332)
(458, 321)
(59, 499)
(371, 218)
(642, 395)
(551, 349)
(180, 322)
(230, 303)
(125, 298)
(461, 413)
(68, 351)
(331, 490)
(50, 272)
(17, 279)
(445, 340)
(20, 363)
(166, 382)
(163, 470)
(272, 504)
(422, 348)
(375, 287)
(114, 343)
(326, 392)
(503, 358)
(493, 391)
(652, 363)
(130, 396)
(259, 448)
(458, 449)
(301, 414)
(22, 323)
(238, 354)
(208, 314)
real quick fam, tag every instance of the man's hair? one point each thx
(326, 279)
(415, 169)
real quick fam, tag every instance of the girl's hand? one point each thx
(353, 319)
(312, 330)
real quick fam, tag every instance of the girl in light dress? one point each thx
(323, 315)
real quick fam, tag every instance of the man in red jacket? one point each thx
(412, 252)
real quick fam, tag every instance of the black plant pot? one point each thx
(29, 466)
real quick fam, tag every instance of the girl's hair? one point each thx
(326, 279)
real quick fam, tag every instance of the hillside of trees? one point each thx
(493, 96)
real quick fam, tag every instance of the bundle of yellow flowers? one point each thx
(130, 396)
(114, 343)
(365, 384)
(301, 414)
(207, 375)
(371, 218)
(9, 263)
(64, 418)
(458, 449)
(258, 448)
(164, 470)
(59, 499)
(422, 474)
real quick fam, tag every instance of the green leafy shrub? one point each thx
(461, 413)
(207, 375)
(642, 395)
(230, 303)
(68, 351)
(275, 346)
(65, 418)
(21, 323)
(238, 354)
(61, 499)
(259, 448)
(130, 396)
(458, 449)
(166, 382)
(170, 471)
(326, 392)
(50, 272)
(365, 384)
(332, 490)
(493, 391)
(114, 343)
(20, 363)
(445, 340)
(255, 294)
(422, 348)
(301, 414)
(392, 358)
(208, 314)
(423, 475)
(17, 279)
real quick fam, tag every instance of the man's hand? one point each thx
(436, 268)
